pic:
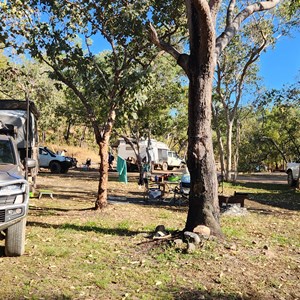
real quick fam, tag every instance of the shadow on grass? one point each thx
(87, 228)
(58, 209)
(261, 186)
(190, 294)
(47, 296)
(281, 196)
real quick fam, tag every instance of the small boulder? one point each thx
(202, 230)
(178, 243)
(191, 248)
(192, 237)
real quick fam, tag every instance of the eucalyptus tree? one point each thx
(270, 134)
(199, 64)
(237, 73)
(59, 33)
(3, 73)
(280, 122)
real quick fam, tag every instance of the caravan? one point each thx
(160, 154)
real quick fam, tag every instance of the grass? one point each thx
(73, 252)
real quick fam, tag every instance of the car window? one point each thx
(6, 153)
(43, 152)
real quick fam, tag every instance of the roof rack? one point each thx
(19, 105)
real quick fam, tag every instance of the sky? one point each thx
(278, 67)
(281, 66)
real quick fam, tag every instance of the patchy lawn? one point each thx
(73, 252)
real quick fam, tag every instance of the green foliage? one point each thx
(282, 121)
(271, 133)
(148, 111)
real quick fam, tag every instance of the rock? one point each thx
(191, 248)
(192, 237)
(233, 247)
(234, 210)
(178, 243)
(202, 230)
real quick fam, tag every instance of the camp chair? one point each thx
(182, 191)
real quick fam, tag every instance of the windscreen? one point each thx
(6, 153)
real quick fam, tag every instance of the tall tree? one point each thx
(199, 66)
(237, 75)
(60, 33)
(280, 122)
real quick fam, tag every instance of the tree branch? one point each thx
(230, 12)
(182, 59)
(253, 57)
(201, 29)
(82, 98)
(214, 8)
(234, 26)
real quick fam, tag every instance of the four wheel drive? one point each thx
(293, 173)
(14, 197)
(56, 163)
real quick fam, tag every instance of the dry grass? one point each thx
(73, 252)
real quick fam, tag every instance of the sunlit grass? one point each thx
(96, 254)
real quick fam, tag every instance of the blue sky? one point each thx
(281, 66)
(278, 67)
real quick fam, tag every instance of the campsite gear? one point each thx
(181, 192)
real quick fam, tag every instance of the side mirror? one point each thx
(31, 163)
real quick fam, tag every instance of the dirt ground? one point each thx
(109, 256)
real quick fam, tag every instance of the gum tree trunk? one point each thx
(199, 66)
(228, 175)
(103, 138)
(101, 200)
(203, 199)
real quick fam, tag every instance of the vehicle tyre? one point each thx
(164, 166)
(15, 239)
(55, 167)
(290, 179)
(64, 170)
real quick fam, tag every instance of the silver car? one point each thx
(14, 197)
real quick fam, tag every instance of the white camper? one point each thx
(160, 154)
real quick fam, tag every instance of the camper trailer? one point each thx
(160, 154)
(23, 116)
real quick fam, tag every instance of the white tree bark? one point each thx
(233, 26)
